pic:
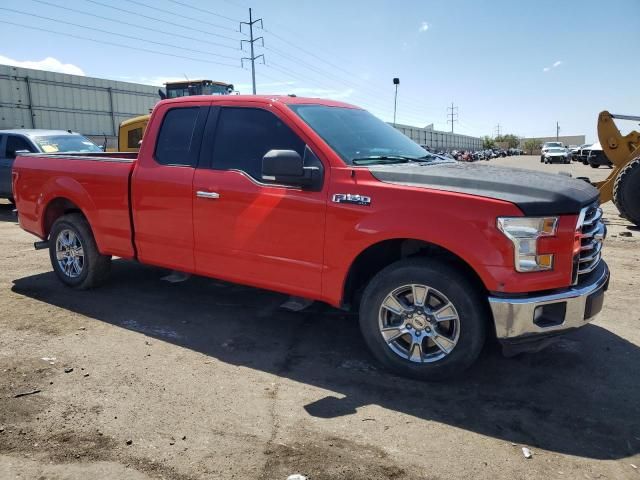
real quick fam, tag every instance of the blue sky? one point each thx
(523, 65)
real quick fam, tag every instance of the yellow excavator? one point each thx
(622, 186)
(130, 131)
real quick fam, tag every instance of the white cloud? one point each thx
(50, 64)
(424, 26)
(556, 64)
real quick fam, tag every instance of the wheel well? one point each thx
(55, 209)
(378, 256)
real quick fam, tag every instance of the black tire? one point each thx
(594, 165)
(95, 267)
(470, 305)
(626, 191)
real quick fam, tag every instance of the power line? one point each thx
(142, 27)
(128, 47)
(453, 115)
(117, 34)
(360, 85)
(186, 17)
(155, 19)
(251, 41)
(204, 11)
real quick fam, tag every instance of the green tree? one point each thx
(509, 139)
(488, 142)
(531, 145)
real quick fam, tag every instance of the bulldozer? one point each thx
(622, 186)
(130, 131)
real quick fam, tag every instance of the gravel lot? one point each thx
(209, 380)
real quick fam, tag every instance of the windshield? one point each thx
(359, 137)
(66, 143)
(553, 144)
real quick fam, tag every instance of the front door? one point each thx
(246, 230)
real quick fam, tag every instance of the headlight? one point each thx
(524, 233)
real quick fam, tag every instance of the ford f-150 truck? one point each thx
(322, 200)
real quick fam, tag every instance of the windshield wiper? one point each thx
(385, 159)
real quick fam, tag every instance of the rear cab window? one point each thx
(178, 141)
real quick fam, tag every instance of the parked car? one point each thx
(556, 155)
(578, 155)
(546, 146)
(17, 141)
(320, 199)
(596, 157)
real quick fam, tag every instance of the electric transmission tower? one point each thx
(251, 41)
(452, 115)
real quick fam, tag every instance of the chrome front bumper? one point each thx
(537, 316)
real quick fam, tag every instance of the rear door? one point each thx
(162, 200)
(246, 230)
(12, 144)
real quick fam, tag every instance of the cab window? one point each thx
(244, 135)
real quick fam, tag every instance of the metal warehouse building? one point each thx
(437, 140)
(95, 107)
(91, 106)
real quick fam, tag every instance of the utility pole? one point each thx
(557, 132)
(453, 115)
(497, 130)
(251, 41)
(396, 82)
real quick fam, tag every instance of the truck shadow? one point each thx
(579, 397)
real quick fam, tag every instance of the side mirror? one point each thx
(287, 167)
(17, 152)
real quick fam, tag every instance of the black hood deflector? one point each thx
(535, 193)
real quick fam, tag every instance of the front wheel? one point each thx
(74, 254)
(424, 319)
(593, 165)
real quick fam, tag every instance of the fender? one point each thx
(460, 223)
(70, 189)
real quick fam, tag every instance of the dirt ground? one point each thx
(205, 380)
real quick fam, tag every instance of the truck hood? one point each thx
(535, 193)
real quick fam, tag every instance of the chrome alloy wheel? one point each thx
(419, 323)
(69, 253)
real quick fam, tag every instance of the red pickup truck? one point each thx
(322, 200)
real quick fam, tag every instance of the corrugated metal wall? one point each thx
(437, 140)
(92, 106)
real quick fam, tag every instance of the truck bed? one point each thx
(98, 185)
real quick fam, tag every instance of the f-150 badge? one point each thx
(350, 198)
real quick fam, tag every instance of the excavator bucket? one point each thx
(623, 183)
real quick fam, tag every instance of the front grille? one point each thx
(592, 231)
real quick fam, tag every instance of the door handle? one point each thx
(202, 194)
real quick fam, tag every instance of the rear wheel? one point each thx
(74, 254)
(422, 318)
(593, 165)
(626, 191)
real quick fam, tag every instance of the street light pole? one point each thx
(396, 82)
